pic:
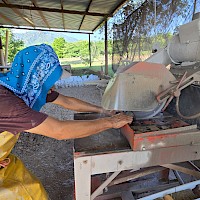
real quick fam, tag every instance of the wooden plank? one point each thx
(2, 61)
(106, 47)
(125, 160)
(82, 174)
(115, 191)
(135, 175)
(40, 13)
(156, 188)
(87, 9)
(6, 47)
(63, 17)
(103, 185)
(6, 4)
(182, 169)
(8, 19)
(89, 46)
(130, 186)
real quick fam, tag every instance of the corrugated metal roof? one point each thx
(77, 15)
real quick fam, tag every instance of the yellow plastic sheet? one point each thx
(7, 142)
(16, 182)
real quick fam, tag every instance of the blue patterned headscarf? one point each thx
(34, 71)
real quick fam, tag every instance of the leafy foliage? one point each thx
(14, 45)
(80, 49)
(140, 24)
(59, 46)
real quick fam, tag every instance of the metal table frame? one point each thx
(87, 165)
(89, 160)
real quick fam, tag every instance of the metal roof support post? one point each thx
(106, 47)
(90, 50)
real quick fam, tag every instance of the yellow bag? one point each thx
(16, 182)
(7, 142)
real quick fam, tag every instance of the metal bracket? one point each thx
(175, 90)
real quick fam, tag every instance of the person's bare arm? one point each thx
(78, 128)
(72, 103)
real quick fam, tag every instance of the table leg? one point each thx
(82, 174)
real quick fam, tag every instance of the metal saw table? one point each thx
(110, 151)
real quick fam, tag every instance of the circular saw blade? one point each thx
(136, 89)
(149, 114)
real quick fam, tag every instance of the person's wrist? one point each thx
(100, 110)
(109, 122)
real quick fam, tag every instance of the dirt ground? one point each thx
(51, 160)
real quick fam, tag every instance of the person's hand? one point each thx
(108, 112)
(120, 120)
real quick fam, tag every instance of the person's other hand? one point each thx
(120, 120)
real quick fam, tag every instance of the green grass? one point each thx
(78, 67)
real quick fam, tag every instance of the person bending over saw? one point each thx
(23, 91)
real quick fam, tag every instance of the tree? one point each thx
(14, 45)
(59, 46)
(136, 27)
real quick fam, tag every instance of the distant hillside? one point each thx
(38, 37)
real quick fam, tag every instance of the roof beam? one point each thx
(18, 13)
(112, 13)
(15, 6)
(42, 29)
(87, 9)
(9, 20)
(103, 20)
(63, 17)
(34, 2)
(118, 7)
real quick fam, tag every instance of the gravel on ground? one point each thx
(49, 159)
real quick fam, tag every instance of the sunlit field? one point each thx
(79, 65)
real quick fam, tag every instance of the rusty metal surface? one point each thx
(136, 89)
(93, 163)
(163, 122)
(161, 132)
(105, 141)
